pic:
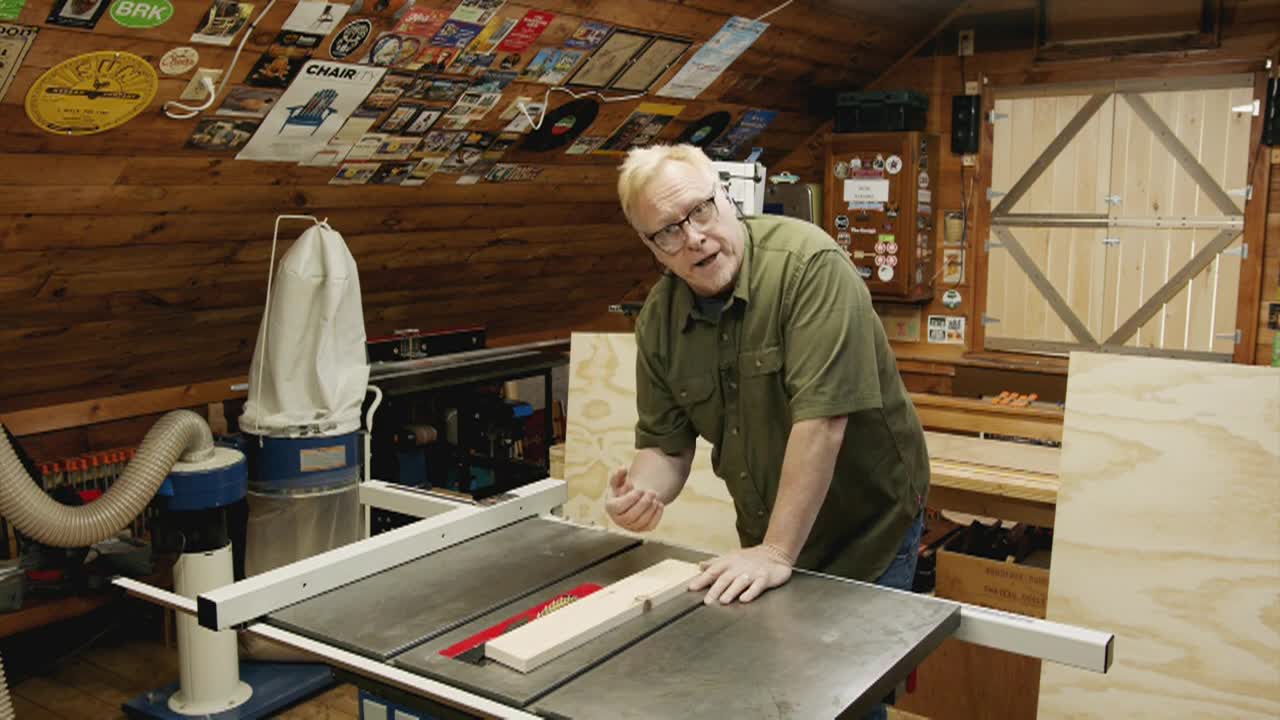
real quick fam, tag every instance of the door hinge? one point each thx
(1110, 241)
(988, 320)
(992, 244)
(1242, 251)
(993, 116)
(993, 194)
(1236, 337)
(1112, 199)
(1253, 108)
(1245, 192)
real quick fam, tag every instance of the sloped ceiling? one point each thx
(132, 261)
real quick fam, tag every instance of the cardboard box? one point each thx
(960, 681)
(1021, 589)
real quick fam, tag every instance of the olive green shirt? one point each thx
(797, 339)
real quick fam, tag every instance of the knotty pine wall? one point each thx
(1004, 32)
(130, 263)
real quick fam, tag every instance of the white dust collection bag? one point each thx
(310, 368)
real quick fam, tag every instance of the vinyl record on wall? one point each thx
(562, 126)
(703, 131)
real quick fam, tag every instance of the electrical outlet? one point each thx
(969, 160)
(966, 42)
(195, 91)
(971, 87)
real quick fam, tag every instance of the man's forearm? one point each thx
(807, 468)
(665, 475)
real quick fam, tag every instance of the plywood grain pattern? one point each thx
(1167, 535)
(600, 436)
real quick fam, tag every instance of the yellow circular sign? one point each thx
(91, 93)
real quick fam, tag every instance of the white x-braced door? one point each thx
(1116, 218)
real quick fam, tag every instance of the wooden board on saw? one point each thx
(556, 633)
(601, 436)
(1167, 536)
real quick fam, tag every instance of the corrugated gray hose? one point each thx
(180, 434)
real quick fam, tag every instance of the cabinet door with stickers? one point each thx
(879, 208)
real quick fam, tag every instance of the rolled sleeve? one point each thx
(661, 422)
(830, 365)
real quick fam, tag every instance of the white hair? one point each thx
(642, 165)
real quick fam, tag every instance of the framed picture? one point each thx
(605, 63)
(650, 64)
(423, 121)
(398, 118)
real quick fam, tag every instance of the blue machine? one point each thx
(197, 500)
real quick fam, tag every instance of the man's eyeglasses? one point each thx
(671, 238)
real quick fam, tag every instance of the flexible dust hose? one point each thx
(180, 434)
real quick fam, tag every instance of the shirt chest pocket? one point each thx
(761, 363)
(696, 395)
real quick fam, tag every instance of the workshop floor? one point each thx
(85, 668)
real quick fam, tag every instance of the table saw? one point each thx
(385, 608)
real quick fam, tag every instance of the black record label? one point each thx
(703, 131)
(562, 126)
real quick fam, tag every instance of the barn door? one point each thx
(1116, 218)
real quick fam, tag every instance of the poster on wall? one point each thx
(83, 14)
(946, 329)
(641, 128)
(11, 9)
(314, 17)
(901, 323)
(221, 22)
(713, 58)
(953, 265)
(311, 111)
(751, 124)
(15, 41)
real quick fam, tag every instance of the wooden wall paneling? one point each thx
(183, 240)
(1263, 350)
(994, 278)
(1132, 162)
(1256, 234)
(1148, 445)
(1202, 287)
(1155, 243)
(1062, 187)
(1189, 130)
(1228, 267)
(600, 436)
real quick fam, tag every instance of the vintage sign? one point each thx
(141, 14)
(15, 41)
(91, 93)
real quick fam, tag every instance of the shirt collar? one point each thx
(685, 306)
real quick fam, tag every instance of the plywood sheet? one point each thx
(601, 436)
(1168, 535)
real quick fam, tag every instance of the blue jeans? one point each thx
(901, 575)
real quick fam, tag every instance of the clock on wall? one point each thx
(91, 93)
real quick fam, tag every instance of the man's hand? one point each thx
(743, 574)
(629, 506)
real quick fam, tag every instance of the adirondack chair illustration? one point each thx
(313, 113)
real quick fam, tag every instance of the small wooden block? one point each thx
(537, 643)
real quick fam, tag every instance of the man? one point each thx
(761, 338)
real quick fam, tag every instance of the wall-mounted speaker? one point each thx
(966, 124)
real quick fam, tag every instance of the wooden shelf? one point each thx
(43, 611)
